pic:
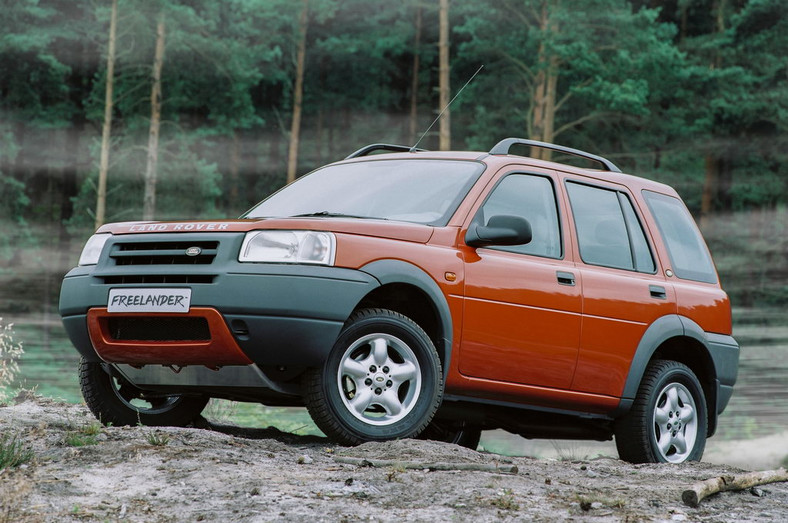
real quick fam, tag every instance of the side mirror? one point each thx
(501, 229)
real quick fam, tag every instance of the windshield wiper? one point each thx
(334, 215)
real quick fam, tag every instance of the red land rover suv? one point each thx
(416, 293)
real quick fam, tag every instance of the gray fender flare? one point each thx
(658, 332)
(397, 271)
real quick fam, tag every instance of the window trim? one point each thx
(620, 193)
(555, 186)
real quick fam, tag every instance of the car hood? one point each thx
(405, 231)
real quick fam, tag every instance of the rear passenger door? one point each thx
(522, 303)
(622, 291)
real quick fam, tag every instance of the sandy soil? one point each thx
(763, 453)
(81, 472)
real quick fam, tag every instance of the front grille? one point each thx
(163, 253)
(158, 329)
(166, 279)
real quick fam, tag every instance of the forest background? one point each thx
(214, 104)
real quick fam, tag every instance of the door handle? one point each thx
(565, 278)
(658, 292)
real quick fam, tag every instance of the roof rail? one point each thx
(364, 151)
(503, 147)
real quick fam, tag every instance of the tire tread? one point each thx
(96, 390)
(320, 409)
(632, 431)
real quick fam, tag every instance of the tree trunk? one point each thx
(414, 84)
(101, 197)
(234, 168)
(298, 94)
(711, 181)
(319, 137)
(542, 125)
(149, 201)
(703, 489)
(443, 77)
(550, 98)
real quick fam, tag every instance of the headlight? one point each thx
(275, 246)
(92, 250)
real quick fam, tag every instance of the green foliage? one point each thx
(157, 439)
(608, 81)
(13, 452)
(181, 170)
(83, 436)
(505, 501)
(664, 91)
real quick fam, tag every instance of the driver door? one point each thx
(522, 303)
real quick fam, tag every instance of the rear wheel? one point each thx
(382, 380)
(667, 422)
(457, 432)
(113, 400)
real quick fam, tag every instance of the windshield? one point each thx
(419, 191)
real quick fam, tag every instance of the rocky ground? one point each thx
(80, 471)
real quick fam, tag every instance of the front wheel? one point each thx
(382, 380)
(115, 401)
(667, 422)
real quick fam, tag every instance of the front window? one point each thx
(411, 190)
(533, 198)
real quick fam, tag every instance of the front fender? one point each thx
(397, 271)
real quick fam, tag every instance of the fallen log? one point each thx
(703, 489)
(484, 467)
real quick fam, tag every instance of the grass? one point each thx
(567, 451)
(505, 501)
(13, 452)
(157, 439)
(83, 436)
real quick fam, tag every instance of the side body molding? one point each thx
(397, 271)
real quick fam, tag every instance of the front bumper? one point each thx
(267, 314)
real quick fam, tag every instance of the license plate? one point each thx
(149, 300)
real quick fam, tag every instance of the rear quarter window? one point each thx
(689, 256)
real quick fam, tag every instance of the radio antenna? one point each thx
(412, 149)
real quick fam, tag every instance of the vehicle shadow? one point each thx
(261, 433)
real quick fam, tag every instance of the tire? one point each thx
(456, 432)
(115, 401)
(668, 420)
(382, 380)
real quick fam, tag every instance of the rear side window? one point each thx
(688, 254)
(608, 230)
(533, 198)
